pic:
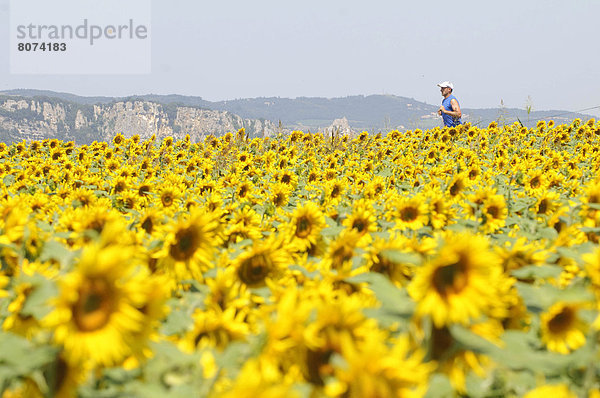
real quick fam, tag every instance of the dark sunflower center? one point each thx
(303, 227)
(279, 199)
(409, 213)
(535, 182)
(95, 305)
(92, 303)
(167, 199)
(148, 225)
(559, 226)
(451, 278)
(341, 255)
(255, 269)
(335, 192)
(359, 225)
(383, 265)
(562, 321)
(493, 211)
(129, 203)
(185, 245)
(543, 207)
(144, 190)
(455, 189)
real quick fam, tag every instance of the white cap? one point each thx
(446, 84)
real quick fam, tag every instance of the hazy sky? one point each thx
(492, 51)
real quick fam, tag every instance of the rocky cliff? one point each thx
(35, 118)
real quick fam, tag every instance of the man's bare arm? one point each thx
(455, 112)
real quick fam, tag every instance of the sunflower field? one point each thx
(441, 263)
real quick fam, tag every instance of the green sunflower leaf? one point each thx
(399, 257)
(537, 271)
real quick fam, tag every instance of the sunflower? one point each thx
(246, 216)
(313, 176)
(244, 191)
(562, 329)
(535, 181)
(494, 213)
(547, 203)
(168, 196)
(82, 197)
(88, 223)
(520, 253)
(127, 201)
(304, 227)
(279, 194)
(287, 177)
(265, 259)
(257, 379)
(457, 285)
(145, 188)
(120, 184)
(96, 314)
(410, 213)
(474, 172)
(153, 308)
(112, 165)
(213, 202)
(475, 201)
(362, 220)
(334, 191)
(335, 313)
(376, 370)
(457, 186)
(63, 378)
(342, 252)
(382, 258)
(591, 197)
(189, 246)
(375, 188)
(453, 359)
(150, 220)
(21, 321)
(440, 211)
(226, 290)
(216, 328)
(238, 232)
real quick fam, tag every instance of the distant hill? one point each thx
(40, 117)
(262, 115)
(374, 112)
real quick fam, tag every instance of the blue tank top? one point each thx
(449, 121)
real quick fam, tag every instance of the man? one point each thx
(450, 109)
